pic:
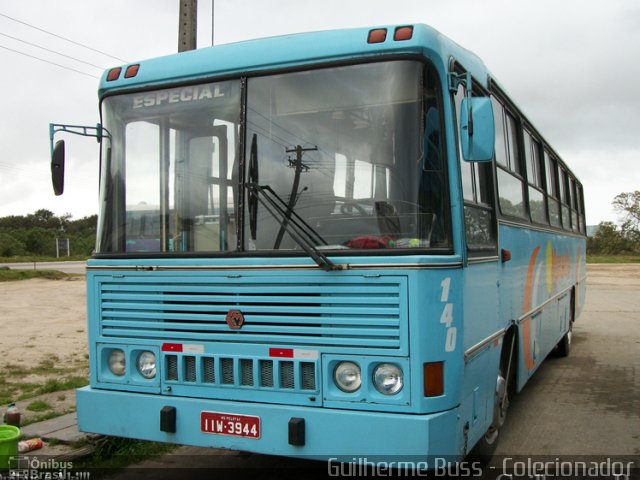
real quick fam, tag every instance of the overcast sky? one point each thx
(571, 65)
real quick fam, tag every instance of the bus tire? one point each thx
(563, 348)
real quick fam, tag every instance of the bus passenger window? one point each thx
(537, 205)
(553, 198)
(510, 181)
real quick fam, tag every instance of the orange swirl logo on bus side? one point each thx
(558, 268)
(526, 324)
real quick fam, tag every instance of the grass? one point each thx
(38, 406)
(7, 275)
(55, 385)
(13, 386)
(613, 258)
(113, 453)
(43, 417)
(31, 259)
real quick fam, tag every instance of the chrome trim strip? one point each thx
(533, 311)
(157, 268)
(473, 260)
(472, 352)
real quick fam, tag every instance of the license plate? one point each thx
(230, 424)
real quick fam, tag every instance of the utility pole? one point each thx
(188, 25)
(293, 198)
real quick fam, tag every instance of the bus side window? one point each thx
(510, 179)
(565, 197)
(537, 204)
(553, 197)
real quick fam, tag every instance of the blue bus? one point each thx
(358, 245)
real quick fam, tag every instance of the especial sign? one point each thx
(192, 93)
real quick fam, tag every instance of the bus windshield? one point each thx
(351, 155)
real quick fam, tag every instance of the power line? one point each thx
(62, 38)
(47, 61)
(52, 51)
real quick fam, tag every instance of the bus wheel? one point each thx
(563, 348)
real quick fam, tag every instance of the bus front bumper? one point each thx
(344, 435)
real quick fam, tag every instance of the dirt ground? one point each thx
(43, 344)
(41, 319)
(43, 331)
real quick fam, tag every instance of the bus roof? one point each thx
(289, 51)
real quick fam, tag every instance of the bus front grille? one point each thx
(369, 313)
(220, 371)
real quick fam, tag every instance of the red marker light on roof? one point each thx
(131, 71)
(113, 74)
(378, 35)
(403, 33)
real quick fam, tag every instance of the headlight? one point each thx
(347, 377)
(147, 364)
(387, 378)
(117, 362)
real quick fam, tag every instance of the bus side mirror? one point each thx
(477, 130)
(57, 167)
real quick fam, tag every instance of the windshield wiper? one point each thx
(299, 230)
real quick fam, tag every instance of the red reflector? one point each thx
(172, 347)
(403, 33)
(131, 71)
(378, 35)
(113, 74)
(281, 352)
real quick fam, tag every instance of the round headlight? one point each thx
(387, 378)
(147, 364)
(117, 362)
(347, 377)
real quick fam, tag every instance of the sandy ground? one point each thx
(43, 325)
(41, 319)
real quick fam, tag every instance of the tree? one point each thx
(627, 204)
(10, 246)
(608, 240)
(35, 234)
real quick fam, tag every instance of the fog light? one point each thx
(387, 378)
(147, 364)
(347, 376)
(117, 362)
